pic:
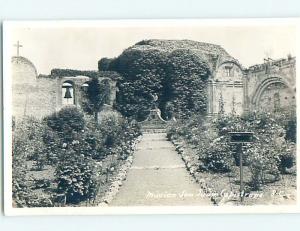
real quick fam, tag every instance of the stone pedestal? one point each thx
(154, 121)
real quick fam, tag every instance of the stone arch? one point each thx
(230, 61)
(235, 69)
(84, 86)
(263, 86)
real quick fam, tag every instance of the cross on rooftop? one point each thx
(18, 45)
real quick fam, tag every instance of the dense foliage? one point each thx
(95, 96)
(66, 123)
(77, 176)
(271, 153)
(73, 144)
(186, 83)
(143, 73)
(71, 72)
(173, 71)
(28, 144)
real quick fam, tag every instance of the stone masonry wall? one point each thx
(264, 80)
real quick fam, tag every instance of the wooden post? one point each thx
(239, 138)
(240, 150)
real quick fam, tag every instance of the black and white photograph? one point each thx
(150, 116)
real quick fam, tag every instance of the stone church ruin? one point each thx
(231, 88)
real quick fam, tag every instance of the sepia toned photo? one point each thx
(170, 116)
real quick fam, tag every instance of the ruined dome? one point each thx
(211, 53)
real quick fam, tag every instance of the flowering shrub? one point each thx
(214, 152)
(71, 143)
(66, 123)
(77, 177)
(77, 172)
(287, 156)
(262, 162)
(27, 145)
(271, 153)
(216, 157)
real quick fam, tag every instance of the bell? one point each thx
(68, 93)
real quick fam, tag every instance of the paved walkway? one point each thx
(158, 177)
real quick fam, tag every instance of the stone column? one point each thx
(113, 91)
(245, 95)
(214, 110)
(209, 98)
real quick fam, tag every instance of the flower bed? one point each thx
(76, 157)
(212, 160)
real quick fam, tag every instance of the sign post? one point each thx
(239, 138)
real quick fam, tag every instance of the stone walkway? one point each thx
(158, 177)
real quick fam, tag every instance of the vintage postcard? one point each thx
(150, 116)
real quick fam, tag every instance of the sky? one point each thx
(79, 47)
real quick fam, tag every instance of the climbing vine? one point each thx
(177, 76)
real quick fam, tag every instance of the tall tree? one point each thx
(97, 94)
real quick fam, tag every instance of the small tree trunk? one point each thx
(96, 117)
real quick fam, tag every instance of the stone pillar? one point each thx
(209, 98)
(245, 95)
(113, 92)
(214, 99)
(58, 105)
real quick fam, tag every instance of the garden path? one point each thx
(158, 177)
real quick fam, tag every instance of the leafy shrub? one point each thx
(42, 183)
(287, 157)
(71, 72)
(143, 73)
(217, 157)
(269, 155)
(77, 177)
(69, 141)
(186, 83)
(26, 144)
(174, 70)
(262, 160)
(28, 138)
(96, 95)
(67, 122)
(20, 190)
(291, 129)
(35, 200)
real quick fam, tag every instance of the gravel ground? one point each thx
(158, 177)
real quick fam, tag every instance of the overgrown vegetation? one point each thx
(271, 154)
(96, 95)
(175, 70)
(73, 145)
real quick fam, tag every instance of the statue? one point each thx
(154, 101)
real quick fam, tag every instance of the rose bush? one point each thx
(271, 153)
(73, 144)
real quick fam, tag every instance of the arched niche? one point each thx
(84, 87)
(228, 71)
(68, 93)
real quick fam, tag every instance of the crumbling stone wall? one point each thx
(239, 90)
(273, 78)
(40, 95)
(226, 89)
(31, 96)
